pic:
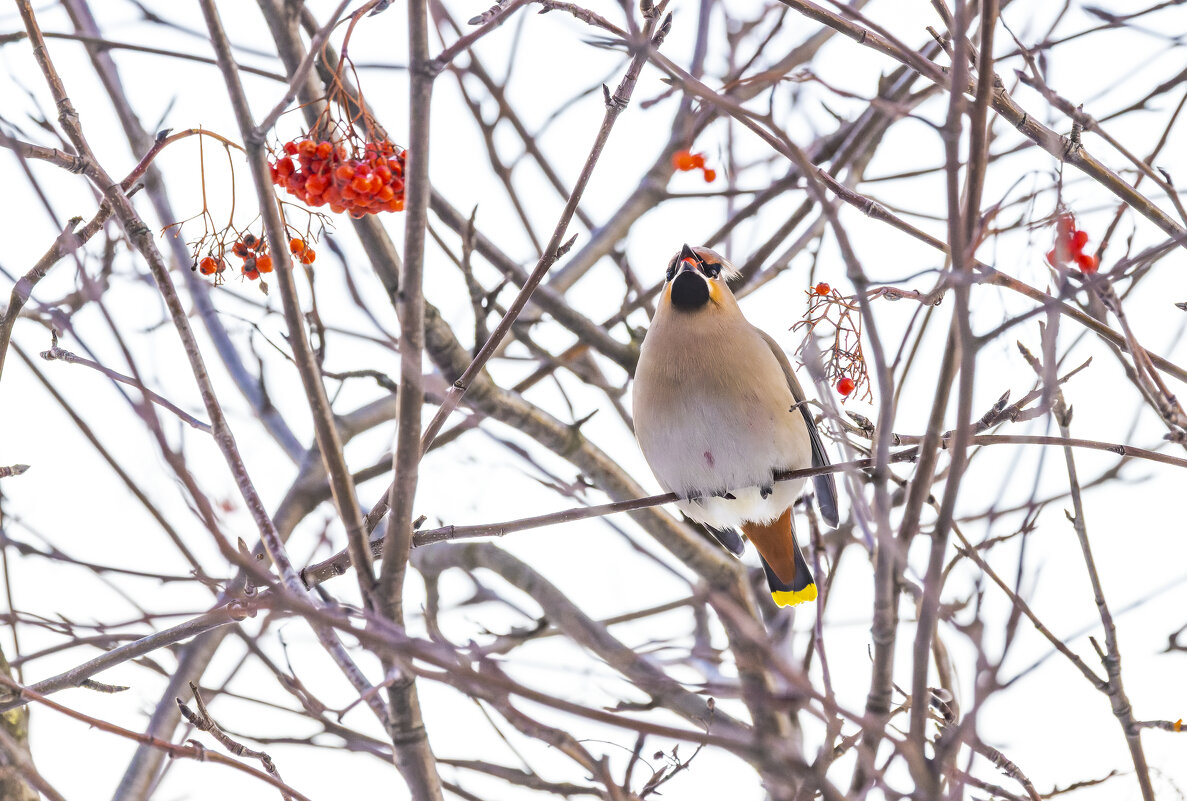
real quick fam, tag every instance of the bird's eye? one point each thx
(711, 269)
(672, 272)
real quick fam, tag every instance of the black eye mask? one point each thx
(688, 255)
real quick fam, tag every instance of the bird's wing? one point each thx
(729, 538)
(826, 486)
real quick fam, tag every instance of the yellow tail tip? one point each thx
(793, 597)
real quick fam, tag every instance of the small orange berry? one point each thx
(264, 264)
(308, 255)
(683, 160)
(316, 184)
(1087, 263)
(710, 176)
(296, 245)
(207, 266)
(822, 288)
(846, 385)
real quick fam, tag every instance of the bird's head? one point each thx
(696, 280)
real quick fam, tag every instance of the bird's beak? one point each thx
(688, 259)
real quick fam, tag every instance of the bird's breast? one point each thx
(713, 424)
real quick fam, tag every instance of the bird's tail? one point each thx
(788, 574)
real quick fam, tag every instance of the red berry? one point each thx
(1079, 240)
(362, 184)
(710, 176)
(1087, 263)
(683, 160)
(208, 266)
(1051, 257)
(296, 245)
(316, 184)
(822, 289)
(309, 254)
(240, 249)
(290, 148)
(846, 385)
(264, 264)
(698, 161)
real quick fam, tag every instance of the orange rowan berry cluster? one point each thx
(253, 251)
(324, 172)
(1069, 246)
(686, 161)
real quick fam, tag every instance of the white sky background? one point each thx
(1053, 724)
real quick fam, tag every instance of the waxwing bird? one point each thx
(717, 411)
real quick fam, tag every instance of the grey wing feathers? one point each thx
(826, 485)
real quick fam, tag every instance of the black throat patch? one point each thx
(689, 291)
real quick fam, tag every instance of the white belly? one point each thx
(716, 442)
